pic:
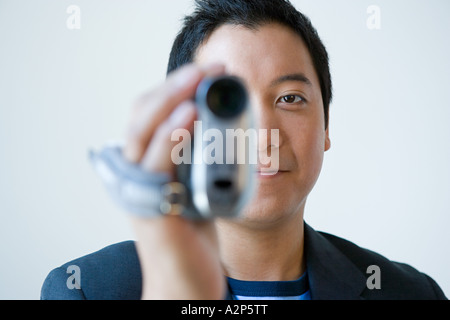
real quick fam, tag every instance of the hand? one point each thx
(179, 258)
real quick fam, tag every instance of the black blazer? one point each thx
(337, 269)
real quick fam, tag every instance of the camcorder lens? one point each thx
(226, 97)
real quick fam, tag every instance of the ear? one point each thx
(327, 139)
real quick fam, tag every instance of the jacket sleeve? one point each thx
(55, 287)
(437, 290)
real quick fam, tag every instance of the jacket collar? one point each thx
(331, 274)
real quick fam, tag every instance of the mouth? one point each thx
(265, 174)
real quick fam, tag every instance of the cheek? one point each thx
(308, 142)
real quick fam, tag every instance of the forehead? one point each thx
(269, 51)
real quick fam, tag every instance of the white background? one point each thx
(385, 183)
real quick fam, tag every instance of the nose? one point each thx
(269, 136)
(268, 125)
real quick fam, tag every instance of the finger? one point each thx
(155, 107)
(159, 156)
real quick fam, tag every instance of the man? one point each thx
(269, 252)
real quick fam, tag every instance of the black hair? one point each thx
(211, 14)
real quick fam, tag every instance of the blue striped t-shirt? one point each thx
(270, 290)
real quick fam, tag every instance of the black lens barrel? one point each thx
(225, 96)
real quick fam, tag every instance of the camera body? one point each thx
(218, 183)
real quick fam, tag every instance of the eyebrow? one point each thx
(300, 77)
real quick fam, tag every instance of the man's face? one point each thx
(284, 90)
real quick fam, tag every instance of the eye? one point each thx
(292, 99)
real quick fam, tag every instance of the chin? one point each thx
(269, 211)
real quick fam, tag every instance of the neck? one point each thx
(262, 254)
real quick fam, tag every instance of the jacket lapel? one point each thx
(332, 276)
